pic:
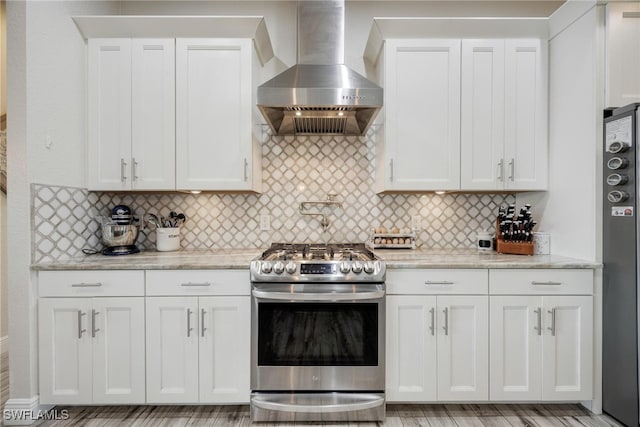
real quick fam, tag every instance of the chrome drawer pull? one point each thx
(86, 285)
(196, 284)
(438, 282)
(533, 282)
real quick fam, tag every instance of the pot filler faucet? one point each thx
(317, 207)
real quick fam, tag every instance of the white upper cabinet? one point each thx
(526, 87)
(109, 114)
(178, 112)
(504, 123)
(422, 115)
(622, 53)
(217, 145)
(131, 114)
(460, 113)
(153, 112)
(482, 114)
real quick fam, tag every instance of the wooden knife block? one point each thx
(515, 248)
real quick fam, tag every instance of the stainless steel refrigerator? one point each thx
(621, 273)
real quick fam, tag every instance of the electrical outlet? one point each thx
(265, 222)
(416, 222)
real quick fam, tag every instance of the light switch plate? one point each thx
(265, 222)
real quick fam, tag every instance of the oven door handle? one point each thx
(373, 402)
(317, 296)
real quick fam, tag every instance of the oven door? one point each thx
(318, 337)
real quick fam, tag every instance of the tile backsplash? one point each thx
(305, 168)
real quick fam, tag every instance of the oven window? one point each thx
(308, 334)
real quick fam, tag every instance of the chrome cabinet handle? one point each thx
(438, 282)
(391, 170)
(80, 330)
(94, 313)
(446, 320)
(501, 169)
(123, 167)
(86, 285)
(538, 328)
(553, 322)
(512, 169)
(189, 328)
(536, 283)
(195, 284)
(202, 328)
(134, 170)
(246, 165)
(432, 328)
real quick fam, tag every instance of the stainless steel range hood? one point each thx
(320, 95)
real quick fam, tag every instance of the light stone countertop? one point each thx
(219, 259)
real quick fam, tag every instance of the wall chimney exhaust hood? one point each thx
(319, 95)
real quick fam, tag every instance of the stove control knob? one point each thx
(356, 267)
(290, 268)
(266, 267)
(278, 267)
(345, 267)
(617, 196)
(368, 267)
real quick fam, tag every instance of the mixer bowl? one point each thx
(119, 235)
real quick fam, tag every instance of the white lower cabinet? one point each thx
(91, 337)
(198, 336)
(541, 346)
(91, 350)
(437, 345)
(198, 349)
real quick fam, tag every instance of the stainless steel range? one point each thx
(318, 333)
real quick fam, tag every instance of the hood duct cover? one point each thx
(320, 95)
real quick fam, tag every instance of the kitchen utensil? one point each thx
(120, 239)
(152, 219)
(122, 214)
(168, 239)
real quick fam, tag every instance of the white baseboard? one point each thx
(4, 344)
(24, 412)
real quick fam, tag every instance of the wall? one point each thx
(293, 171)
(569, 211)
(46, 95)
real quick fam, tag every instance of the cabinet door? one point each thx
(526, 114)
(463, 342)
(109, 114)
(65, 350)
(225, 338)
(515, 348)
(213, 114)
(567, 348)
(422, 114)
(411, 348)
(153, 114)
(482, 115)
(623, 53)
(117, 331)
(172, 349)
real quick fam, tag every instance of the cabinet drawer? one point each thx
(541, 281)
(431, 282)
(198, 282)
(89, 283)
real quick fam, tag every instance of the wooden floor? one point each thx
(397, 415)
